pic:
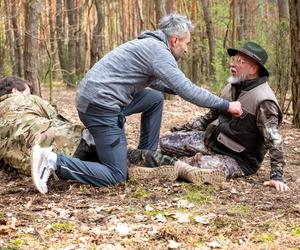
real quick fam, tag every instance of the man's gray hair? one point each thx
(175, 24)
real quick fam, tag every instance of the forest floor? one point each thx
(241, 214)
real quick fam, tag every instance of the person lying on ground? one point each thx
(26, 120)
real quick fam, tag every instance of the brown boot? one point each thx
(167, 172)
(200, 176)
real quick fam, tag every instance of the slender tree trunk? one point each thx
(210, 36)
(9, 36)
(60, 37)
(124, 21)
(81, 39)
(283, 53)
(97, 37)
(32, 15)
(194, 44)
(171, 6)
(140, 10)
(233, 34)
(295, 47)
(283, 8)
(53, 42)
(160, 9)
(18, 62)
(71, 12)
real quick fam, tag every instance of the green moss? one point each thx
(2, 214)
(241, 210)
(296, 231)
(63, 227)
(18, 243)
(197, 195)
(267, 237)
(139, 193)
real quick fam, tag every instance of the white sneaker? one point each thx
(41, 170)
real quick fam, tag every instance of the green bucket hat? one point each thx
(254, 51)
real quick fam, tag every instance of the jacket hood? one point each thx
(158, 34)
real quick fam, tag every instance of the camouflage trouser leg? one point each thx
(183, 143)
(64, 139)
(221, 162)
(191, 143)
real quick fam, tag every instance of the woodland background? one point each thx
(46, 41)
(52, 43)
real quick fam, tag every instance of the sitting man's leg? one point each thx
(213, 169)
(183, 143)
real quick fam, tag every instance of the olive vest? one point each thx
(239, 137)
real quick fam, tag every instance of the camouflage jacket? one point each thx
(268, 123)
(27, 120)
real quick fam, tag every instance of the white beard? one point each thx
(236, 79)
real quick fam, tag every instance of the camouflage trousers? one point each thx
(191, 145)
(17, 140)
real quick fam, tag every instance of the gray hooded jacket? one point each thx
(144, 62)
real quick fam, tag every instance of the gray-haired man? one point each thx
(114, 88)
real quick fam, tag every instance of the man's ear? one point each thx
(254, 69)
(173, 41)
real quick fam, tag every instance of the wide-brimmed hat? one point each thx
(254, 51)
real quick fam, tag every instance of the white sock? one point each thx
(52, 159)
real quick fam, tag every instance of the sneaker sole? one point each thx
(201, 176)
(169, 173)
(35, 163)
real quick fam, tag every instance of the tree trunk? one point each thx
(124, 21)
(32, 15)
(18, 62)
(97, 37)
(233, 34)
(140, 10)
(60, 37)
(9, 36)
(81, 40)
(244, 19)
(283, 54)
(210, 36)
(295, 68)
(160, 9)
(71, 12)
(283, 8)
(53, 43)
(170, 6)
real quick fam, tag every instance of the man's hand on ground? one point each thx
(235, 108)
(278, 185)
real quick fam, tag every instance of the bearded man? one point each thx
(219, 142)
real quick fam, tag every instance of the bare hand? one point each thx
(166, 134)
(235, 108)
(278, 185)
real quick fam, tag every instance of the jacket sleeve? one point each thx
(161, 86)
(199, 123)
(165, 68)
(268, 123)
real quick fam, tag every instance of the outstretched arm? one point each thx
(199, 123)
(268, 123)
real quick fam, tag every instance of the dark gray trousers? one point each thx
(107, 128)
